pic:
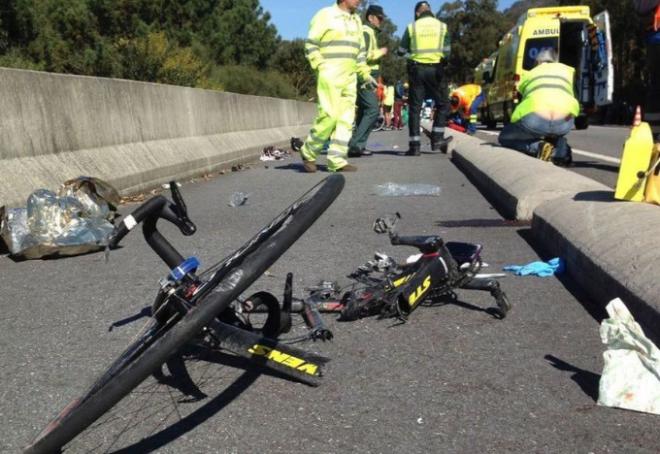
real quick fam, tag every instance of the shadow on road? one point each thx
(594, 165)
(595, 196)
(596, 311)
(587, 381)
(181, 380)
(188, 423)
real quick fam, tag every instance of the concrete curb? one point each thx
(611, 248)
(516, 183)
(613, 251)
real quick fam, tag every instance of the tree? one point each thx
(474, 28)
(290, 59)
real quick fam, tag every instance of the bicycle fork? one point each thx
(492, 286)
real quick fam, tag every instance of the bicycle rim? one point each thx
(233, 275)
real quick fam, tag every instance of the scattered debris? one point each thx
(541, 269)
(296, 144)
(74, 221)
(239, 167)
(238, 199)
(403, 190)
(167, 185)
(273, 154)
(631, 374)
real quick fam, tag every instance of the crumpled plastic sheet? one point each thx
(631, 375)
(390, 189)
(541, 269)
(98, 198)
(75, 222)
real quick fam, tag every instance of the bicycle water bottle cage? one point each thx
(425, 244)
(189, 265)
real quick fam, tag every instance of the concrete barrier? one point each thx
(611, 248)
(515, 183)
(134, 135)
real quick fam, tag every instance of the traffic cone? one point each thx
(635, 161)
(637, 120)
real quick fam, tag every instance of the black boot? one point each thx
(440, 143)
(354, 152)
(414, 149)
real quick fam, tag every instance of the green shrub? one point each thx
(250, 81)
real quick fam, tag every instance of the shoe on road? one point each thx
(441, 144)
(414, 149)
(309, 166)
(296, 144)
(347, 168)
(355, 152)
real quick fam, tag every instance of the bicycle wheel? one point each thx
(379, 124)
(160, 340)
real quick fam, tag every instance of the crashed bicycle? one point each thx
(387, 288)
(192, 307)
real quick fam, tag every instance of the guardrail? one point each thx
(134, 135)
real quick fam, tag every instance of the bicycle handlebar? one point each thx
(148, 214)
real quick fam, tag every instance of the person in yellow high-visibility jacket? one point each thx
(335, 49)
(464, 103)
(426, 44)
(546, 113)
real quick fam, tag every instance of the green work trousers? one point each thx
(337, 91)
(367, 114)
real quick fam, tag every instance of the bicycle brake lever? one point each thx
(181, 208)
(187, 227)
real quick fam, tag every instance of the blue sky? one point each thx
(291, 17)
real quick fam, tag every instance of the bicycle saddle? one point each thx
(425, 243)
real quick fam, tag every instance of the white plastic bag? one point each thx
(631, 375)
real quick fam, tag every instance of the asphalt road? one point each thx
(596, 151)
(453, 379)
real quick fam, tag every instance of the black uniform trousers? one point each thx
(427, 82)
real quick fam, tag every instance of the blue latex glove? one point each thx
(541, 269)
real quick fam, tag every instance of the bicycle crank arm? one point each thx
(298, 306)
(290, 361)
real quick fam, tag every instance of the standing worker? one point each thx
(426, 44)
(335, 50)
(546, 111)
(464, 103)
(367, 101)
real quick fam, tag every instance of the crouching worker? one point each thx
(546, 112)
(464, 104)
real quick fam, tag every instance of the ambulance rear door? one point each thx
(600, 40)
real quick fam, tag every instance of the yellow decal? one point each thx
(402, 280)
(415, 296)
(284, 358)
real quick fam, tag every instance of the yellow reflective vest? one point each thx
(548, 87)
(374, 54)
(335, 41)
(427, 40)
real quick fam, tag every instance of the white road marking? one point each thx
(588, 154)
(597, 156)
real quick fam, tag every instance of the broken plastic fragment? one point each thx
(238, 199)
(404, 190)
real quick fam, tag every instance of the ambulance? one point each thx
(581, 41)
